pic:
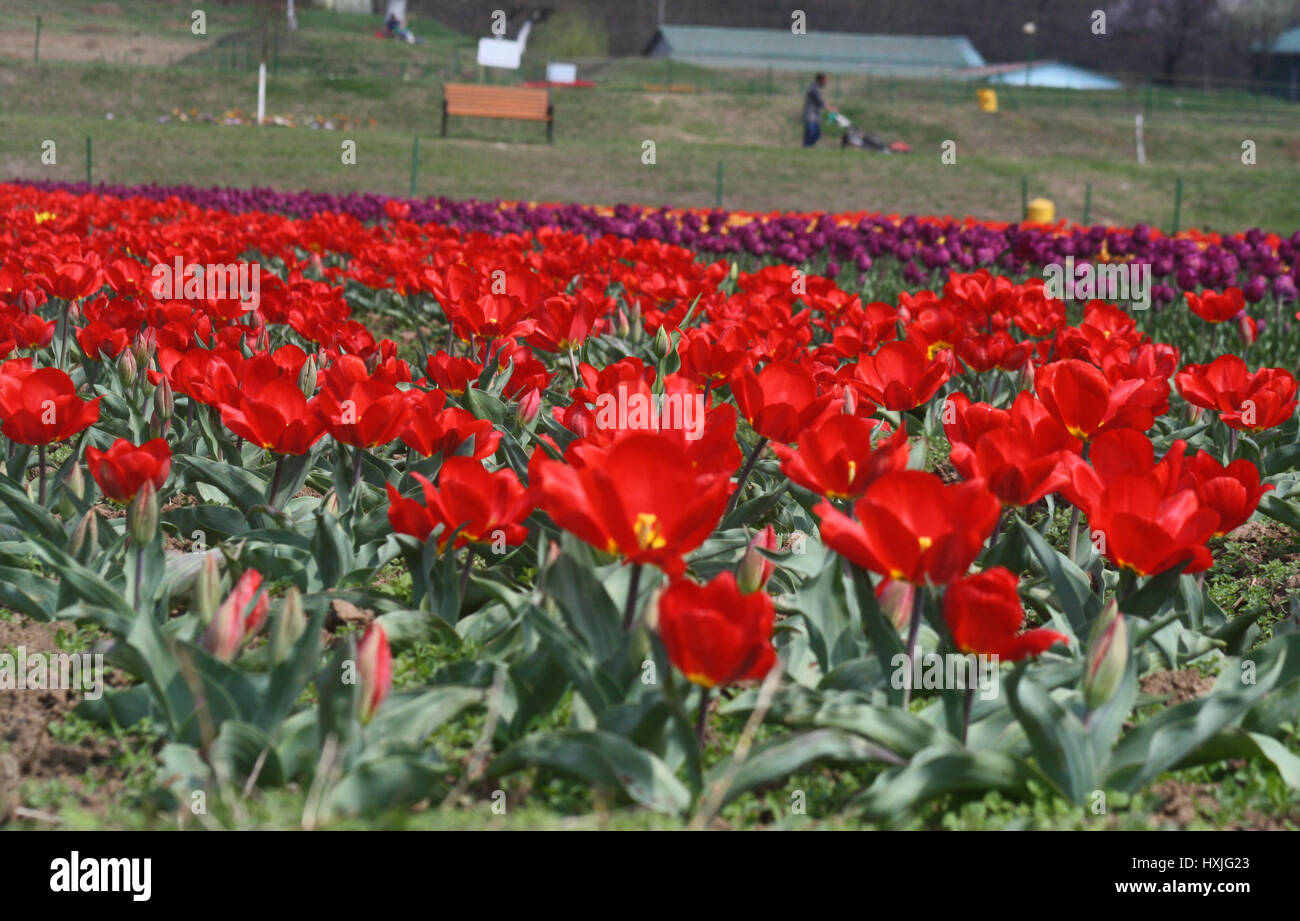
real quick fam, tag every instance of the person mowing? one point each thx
(814, 104)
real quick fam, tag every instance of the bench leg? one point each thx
(550, 126)
(444, 119)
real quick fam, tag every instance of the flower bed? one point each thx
(935, 539)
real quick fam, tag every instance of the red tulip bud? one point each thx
(1107, 657)
(126, 368)
(528, 406)
(238, 618)
(375, 668)
(142, 515)
(896, 599)
(755, 569)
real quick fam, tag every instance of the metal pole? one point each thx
(1178, 203)
(415, 162)
(1024, 198)
(1087, 205)
(88, 160)
(719, 196)
(36, 53)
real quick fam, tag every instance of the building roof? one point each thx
(1288, 42)
(836, 52)
(1045, 73)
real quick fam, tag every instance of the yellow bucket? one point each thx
(1041, 211)
(988, 100)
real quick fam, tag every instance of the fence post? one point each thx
(415, 162)
(1087, 205)
(88, 160)
(1024, 198)
(1178, 203)
(719, 195)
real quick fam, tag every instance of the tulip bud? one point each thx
(290, 623)
(1248, 331)
(142, 515)
(755, 569)
(623, 327)
(307, 377)
(207, 589)
(146, 344)
(663, 344)
(1107, 657)
(126, 368)
(896, 599)
(238, 618)
(74, 481)
(331, 503)
(529, 405)
(375, 669)
(85, 535)
(164, 400)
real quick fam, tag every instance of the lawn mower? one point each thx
(865, 140)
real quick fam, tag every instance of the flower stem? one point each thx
(40, 460)
(702, 721)
(744, 475)
(965, 718)
(275, 480)
(634, 586)
(466, 569)
(913, 631)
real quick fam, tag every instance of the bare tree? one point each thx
(1175, 28)
(1253, 27)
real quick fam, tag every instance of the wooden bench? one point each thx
(475, 101)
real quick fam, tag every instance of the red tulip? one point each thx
(910, 526)
(1233, 492)
(715, 634)
(270, 411)
(39, 407)
(780, 401)
(900, 376)
(1023, 461)
(985, 617)
(357, 409)
(835, 457)
(640, 499)
(1245, 401)
(1217, 308)
(1149, 530)
(1086, 403)
(431, 428)
(490, 506)
(124, 468)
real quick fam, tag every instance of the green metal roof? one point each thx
(842, 52)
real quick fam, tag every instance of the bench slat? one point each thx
(508, 102)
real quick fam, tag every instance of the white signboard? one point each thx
(561, 73)
(499, 52)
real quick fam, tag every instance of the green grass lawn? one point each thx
(333, 66)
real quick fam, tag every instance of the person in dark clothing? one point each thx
(814, 104)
